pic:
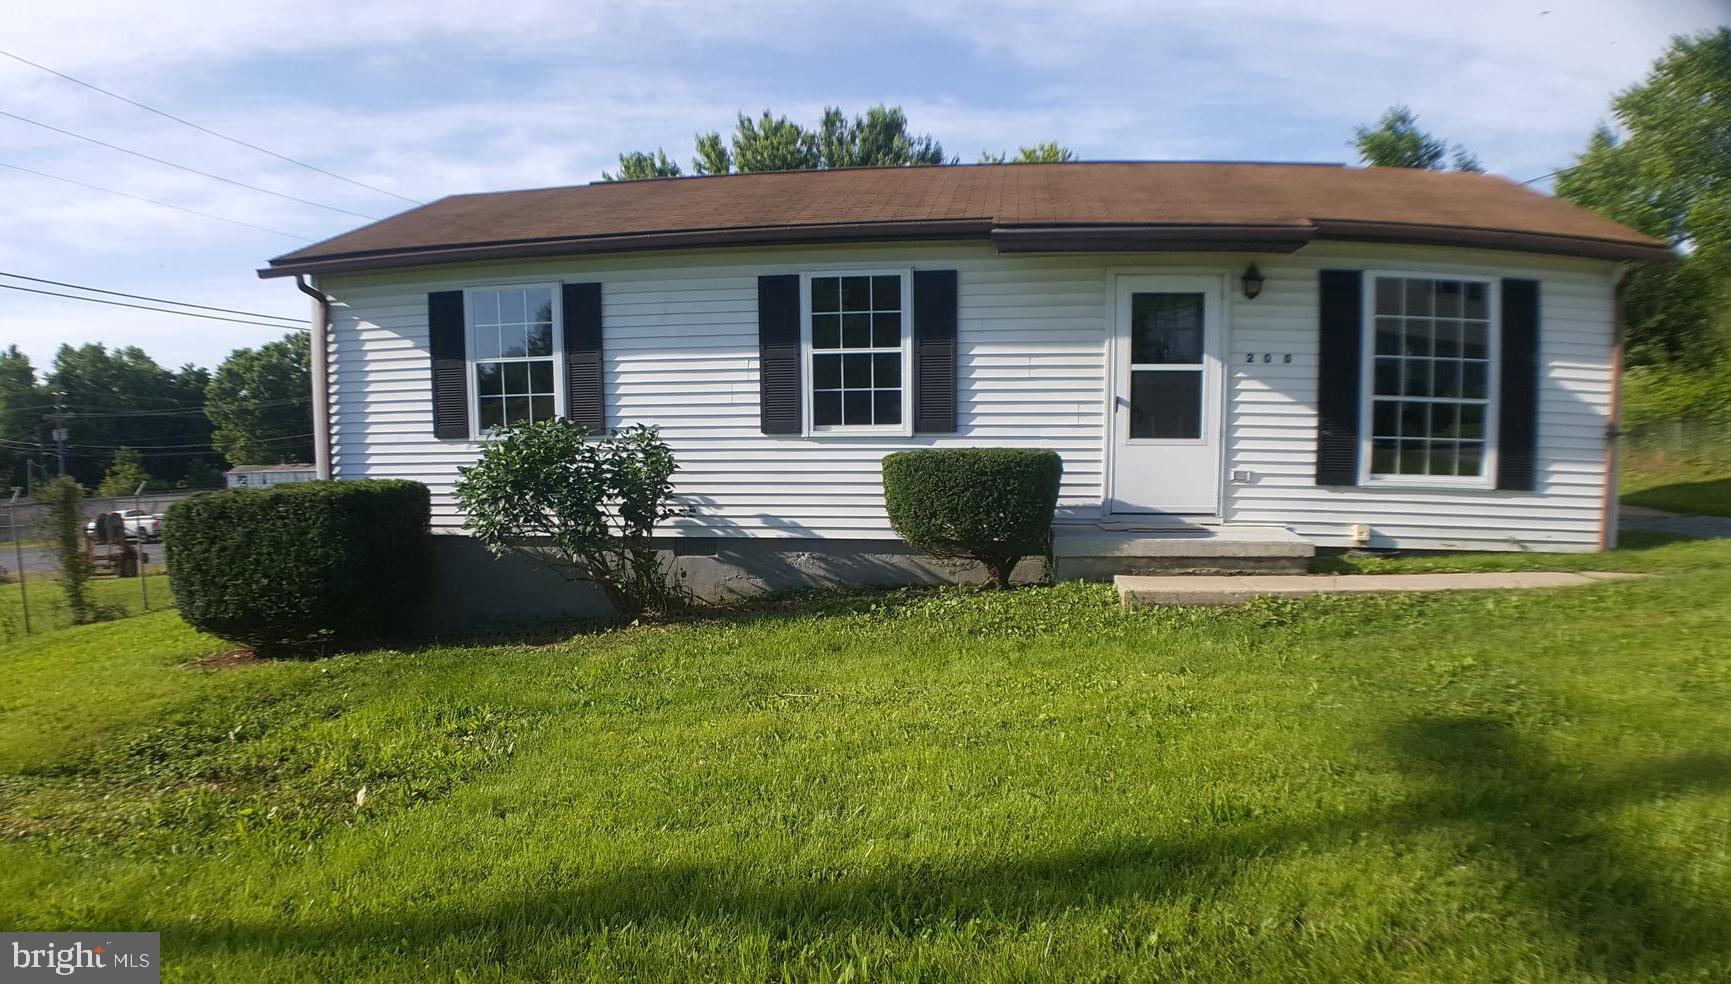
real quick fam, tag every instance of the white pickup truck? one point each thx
(140, 525)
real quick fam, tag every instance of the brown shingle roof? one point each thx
(1248, 207)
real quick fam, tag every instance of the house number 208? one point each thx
(1267, 357)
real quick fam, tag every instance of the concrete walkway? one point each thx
(1204, 590)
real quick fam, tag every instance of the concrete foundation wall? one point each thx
(471, 586)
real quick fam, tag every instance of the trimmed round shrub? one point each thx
(993, 505)
(277, 568)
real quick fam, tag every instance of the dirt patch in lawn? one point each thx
(229, 660)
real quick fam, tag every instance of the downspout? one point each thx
(1609, 512)
(320, 376)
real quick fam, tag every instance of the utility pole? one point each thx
(60, 430)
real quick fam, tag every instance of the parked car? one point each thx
(140, 525)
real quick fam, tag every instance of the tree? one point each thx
(769, 142)
(1669, 175)
(1050, 152)
(774, 143)
(65, 498)
(201, 474)
(878, 139)
(260, 400)
(125, 474)
(713, 157)
(641, 166)
(23, 408)
(1466, 160)
(122, 398)
(1396, 141)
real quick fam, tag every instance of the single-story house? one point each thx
(265, 476)
(1232, 359)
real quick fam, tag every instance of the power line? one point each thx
(141, 307)
(107, 414)
(1550, 174)
(141, 297)
(151, 201)
(173, 407)
(189, 406)
(183, 167)
(203, 445)
(205, 129)
(166, 454)
(177, 413)
(17, 445)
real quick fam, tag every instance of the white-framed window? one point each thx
(514, 355)
(858, 364)
(1430, 379)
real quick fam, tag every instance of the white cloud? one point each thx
(145, 38)
(1522, 83)
(436, 97)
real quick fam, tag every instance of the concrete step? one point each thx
(1096, 553)
(1133, 590)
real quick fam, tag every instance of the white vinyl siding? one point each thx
(1272, 409)
(680, 350)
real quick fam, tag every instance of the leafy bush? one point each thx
(586, 508)
(993, 505)
(277, 568)
(1666, 393)
(65, 498)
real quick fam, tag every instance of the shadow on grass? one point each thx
(1533, 821)
(1629, 543)
(1711, 497)
(810, 603)
(1546, 825)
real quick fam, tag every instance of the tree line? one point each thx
(1663, 168)
(880, 138)
(132, 421)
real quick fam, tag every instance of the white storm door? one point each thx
(1166, 401)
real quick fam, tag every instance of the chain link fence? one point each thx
(1663, 446)
(128, 578)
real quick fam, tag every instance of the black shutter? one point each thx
(585, 402)
(1518, 398)
(1341, 324)
(449, 349)
(935, 352)
(778, 353)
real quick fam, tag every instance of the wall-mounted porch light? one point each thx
(1252, 282)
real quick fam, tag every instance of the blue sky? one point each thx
(437, 97)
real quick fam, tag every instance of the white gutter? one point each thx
(321, 319)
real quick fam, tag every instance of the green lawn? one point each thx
(944, 785)
(125, 596)
(1702, 495)
(1641, 552)
(1677, 487)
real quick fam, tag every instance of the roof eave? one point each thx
(852, 232)
(1152, 238)
(1096, 238)
(1585, 247)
